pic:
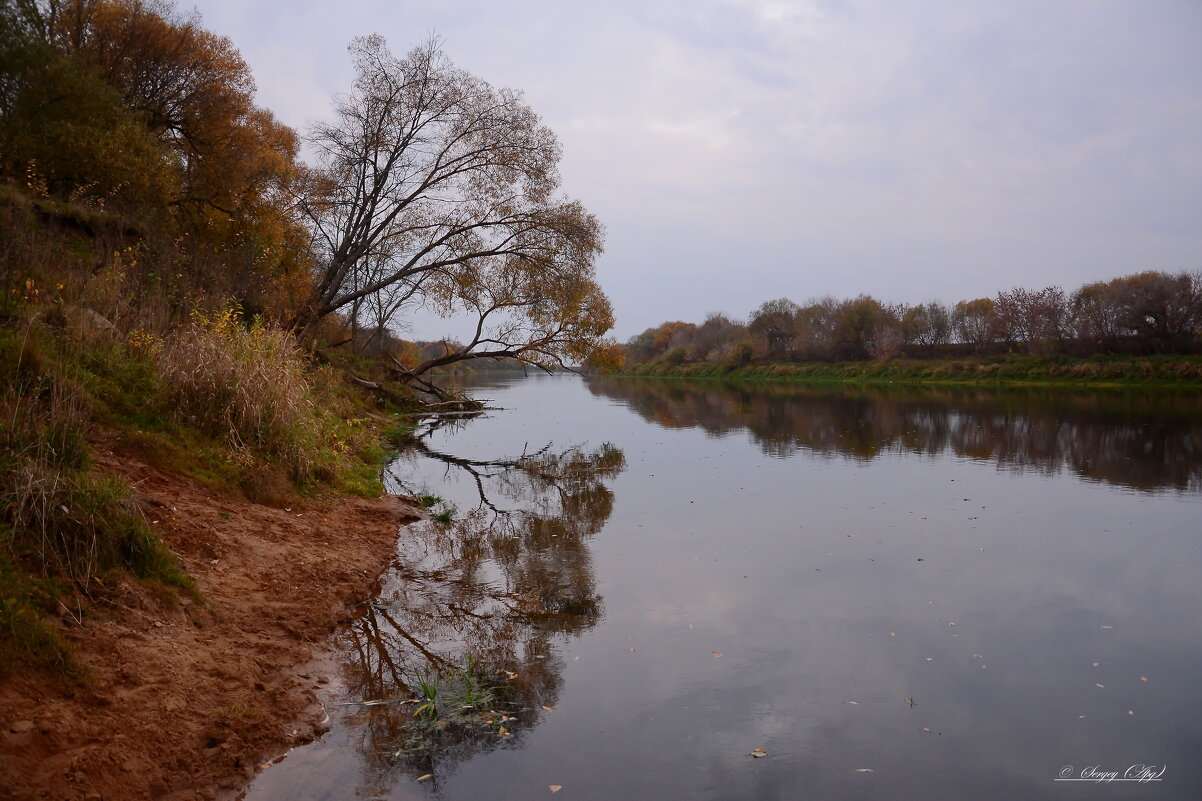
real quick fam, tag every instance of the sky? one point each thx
(742, 150)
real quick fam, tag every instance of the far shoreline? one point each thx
(1110, 372)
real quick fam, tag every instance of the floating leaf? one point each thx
(426, 776)
(911, 702)
(632, 650)
(549, 709)
(555, 788)
(853, 703)
(716, 654)
(1143, 678)
(929, 659)
(865, 770)
(1103, 686)
(502, 732)
(758, 753)
(924, 728)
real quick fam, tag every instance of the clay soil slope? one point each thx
(187, 702)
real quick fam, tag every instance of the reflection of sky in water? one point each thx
(804, 573)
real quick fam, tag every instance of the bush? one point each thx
(742, 353)
(245, 384)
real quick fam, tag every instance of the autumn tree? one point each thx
(1038, 319)
(130, 106)
(1095, 314)
(816, 325)
(927, 325)
(434, 184)
(974, 321)
(64, 129)
(235, 163)
(715, 339)
(775, 322)
(867, 328)
(1164, 310)
(655, 343)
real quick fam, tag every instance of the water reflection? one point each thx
(1142, 440)
(738, 600)
(459, 651)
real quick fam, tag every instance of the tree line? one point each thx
(428, 188)
(1146, 312)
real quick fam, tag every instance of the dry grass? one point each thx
(74, 522)
(245, 384)
(44, 447)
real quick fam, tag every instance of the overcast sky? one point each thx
(742, 150)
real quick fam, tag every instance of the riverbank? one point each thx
(1149, 371)
(185, 699)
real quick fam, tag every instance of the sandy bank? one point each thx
(186, 703)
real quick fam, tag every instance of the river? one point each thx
(658, 589)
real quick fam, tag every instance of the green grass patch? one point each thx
(28, 640)
(1014, 369)
(428, 501)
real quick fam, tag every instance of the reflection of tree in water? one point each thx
(1143, 440)
(475, 607)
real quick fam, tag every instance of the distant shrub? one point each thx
(743, 353)
(676, 356)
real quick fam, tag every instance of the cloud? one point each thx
(739, 150)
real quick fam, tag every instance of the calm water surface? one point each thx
(937, 595)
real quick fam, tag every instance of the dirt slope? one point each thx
(186, 703)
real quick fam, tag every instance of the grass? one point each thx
(27, 638)
(244, 384)
(62, 525)
(1014, 369)
(463, 693)
(74, 521)
(427, 686)
(95, 337)
(397, 433)
(427, 501)
(472, 691)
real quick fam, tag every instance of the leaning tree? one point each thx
(433, 186)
